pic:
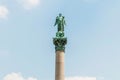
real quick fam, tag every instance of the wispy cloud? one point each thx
(29, 4)
(80, 78)
(17, 76)
(3, 12)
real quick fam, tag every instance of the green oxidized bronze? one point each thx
(60, 41)
(60, 22)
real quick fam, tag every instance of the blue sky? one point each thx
(26, 32)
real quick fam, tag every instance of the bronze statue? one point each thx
(60, 22)
(60, 40)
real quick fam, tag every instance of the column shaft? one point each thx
(59, 68)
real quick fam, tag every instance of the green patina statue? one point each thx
(60, 22)
(60, 41)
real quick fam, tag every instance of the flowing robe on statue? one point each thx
(60, 22)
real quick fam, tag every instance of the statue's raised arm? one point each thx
(60, 22)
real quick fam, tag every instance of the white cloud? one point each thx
(17, 76)
(31, 78)
(3, 12)
(29, 4)
(80, 78)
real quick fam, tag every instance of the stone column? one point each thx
(59, 68)
(59, 41)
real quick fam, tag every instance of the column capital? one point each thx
(60, 43)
